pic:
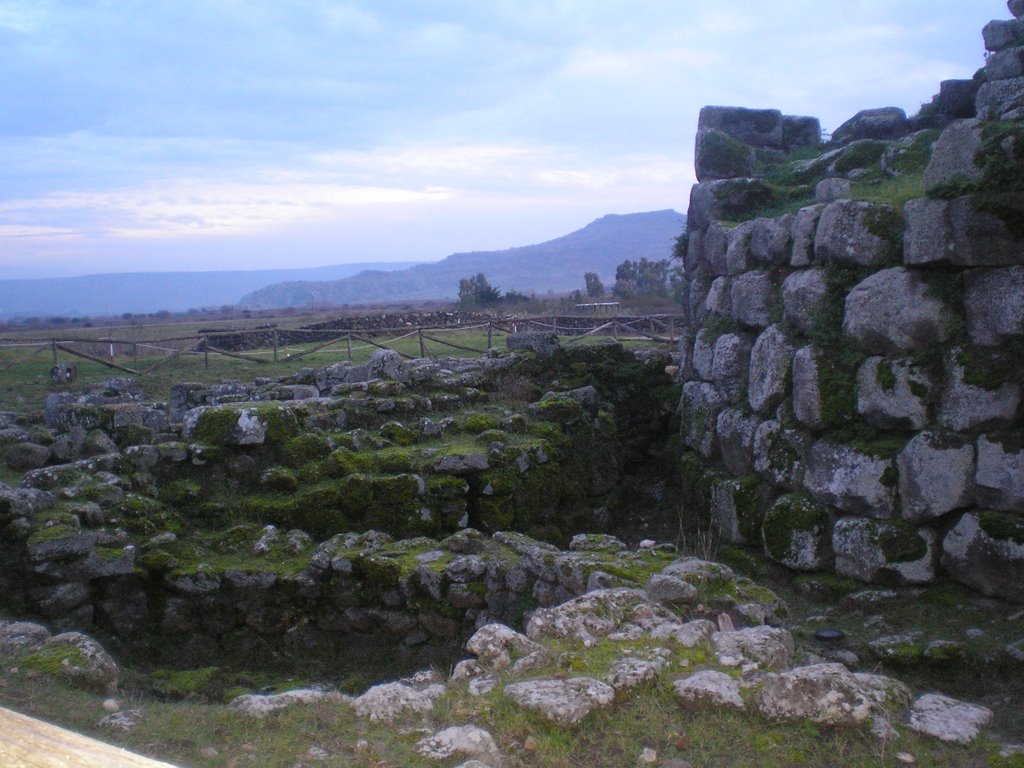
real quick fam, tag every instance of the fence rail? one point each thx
(263, 345)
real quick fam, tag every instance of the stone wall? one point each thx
(852, 371)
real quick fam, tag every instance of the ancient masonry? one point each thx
(853, 369)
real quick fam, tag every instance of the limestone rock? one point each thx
(830, 190)
(542, 343)
(723, 200)
(700, 406)
(125, 721)
(260, 705)
(985, 550)
(704, 355)
(1000, 475)
(731, 364)
(884, 123)
(828, 694)
(565, 702)
(1003, 33)
(994, 304)
(770, 361)
(894, 550)
(855, 482)
(596, 614)
(755, 127)
(709, 688)
(629, 672)
(796, 532)
(497, 646)
(736, 440)
(718, 155)
(893, 311)
(753, 295)
(771, 240)
(1001, 99)
(936, 476)
(80, 659)
(804, 294)
(953, 155)
(893, 394)
(670, 590)
(736, 506)
(948, 719)
(738, 258)
(965, 231)
(460, 742)
(18, 638)
(965, 407)
(805, 227)
(719, 298)
(780, 454)
(808, 394)
(22, 456)
(388, 364)
(800, 131)
(754, 648)
(390, 701)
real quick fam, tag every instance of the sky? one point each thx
(166, 135)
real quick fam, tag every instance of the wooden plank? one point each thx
(381, 346)
(25, 358)
(453, 344)
(224, 352)
(29, 743)
(95, 359)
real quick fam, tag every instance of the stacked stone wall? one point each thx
(852, 370)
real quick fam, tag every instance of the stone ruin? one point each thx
(853, 389)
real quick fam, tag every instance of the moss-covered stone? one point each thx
(303, 449)
(397, 433)
(794, 530)
(476, 423)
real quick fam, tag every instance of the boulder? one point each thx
(388, 364)
(754, 648)
(719, 297)
(718, 155)
(894, 311)
(827, 694)
(753, 296)
(565, 702)
(738, 258)
(994, 304)
(542, 343)
(851, 480)
(715, 243)
(629, 672)
(948, 719)
(703, 358)
(1001, 99)
(1003, 33)
(736, 506)
(805, 228)
(709, 688)
(771, 240)
(731, 364)
(884, 123)
(596, 614)
(1005, 65)
(18, 638)
(799, 131)
(754, 127)
(23, 456)
(770, 361)
(736, 440)
(700, 405)
(965, 407)
(969, 231)
(954, 155)
(830, 190)
(884, 551)
(77, 658)
(497, 646)
(460, 742)
(858, 234)
(724, 200)
(1016, 8)
(808, 395)
(893, 394)
(936, 476)
(670, 590)
(780, 454)
(985, 550)
(797, 533)
(1000, 475)
(261, 705)
(389, 702)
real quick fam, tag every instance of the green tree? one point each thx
(641, 279)
(595, 288)
(477, 292)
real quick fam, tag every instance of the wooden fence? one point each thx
(124, 355)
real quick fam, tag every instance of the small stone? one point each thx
(948, 719)
(111, 705)
(316, 753)
(124, 722)
(530, 745)
(648, 756)
(905, 758)
(208, 753)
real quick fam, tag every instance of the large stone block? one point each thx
(704, 355)
(755, 127)
(805, 226)
(858, 233)
(797, 532)
(715, 242)
(954, 155)
(1000, 475)
(994, 304)
(719, 298)
(699, 408)
(929, 234)
(884, 123)
(884, 551)
(737, 507)
(847, 478)
(1001, 99)
(753, 296)
(808, 397)
(800, 131)
(893, 311)
(736, 432)
(717, 155)
(986, 551)
(724, 200)
(936, 476)
(966, 407)
(893, 394)
(730, 366)
(1003, 33)
(771, 241)
(780, 455)
(1005, 64)
(738, 258)
(803, 298)
(770, 361)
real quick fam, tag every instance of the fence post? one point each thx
(135, 355)
(672, 328)
(490, 328)
(423, 346)
(348, 343)
(275, 345)
(53, 345)
(206, 352)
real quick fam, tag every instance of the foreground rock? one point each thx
(565, 702)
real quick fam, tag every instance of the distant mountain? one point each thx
(557, 265)
(144, 292)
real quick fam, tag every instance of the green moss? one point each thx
(344, 461)
(725, 156)
(215, 425)
(791, 514)
(748, 500)
(1001, 526)
(885, 376)
(899, 541)
(55, 659)
(204, 683)
(913, 157)
(303, 449)
(861, 154)
(146, 516)
(181, 493)
(991, 369)
(280, 479)
(476, 423)
(397, 433)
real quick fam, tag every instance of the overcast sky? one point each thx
(142, 135)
